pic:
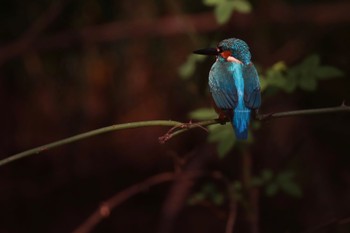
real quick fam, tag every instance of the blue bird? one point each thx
(234, 83)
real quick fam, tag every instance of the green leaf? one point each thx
(236, 190)
(326, 72)
(196, 198)
(224, 8)
(266, 175)
(212, 2)
(263, 83)
(250, 138)
(285, 176)
(223, 136)
(219, 133)
(237, 185)
(217, 198)
(224, 147)
(291, 83)
(279, 66)
(242, 6)
(223, 11)
(275, 78)
(308, 83)
(256, 125)
(257, 181)
(187, 69)
(203, 114)
(291, 189)
(271, 189)
(209, 188)
(311, 62)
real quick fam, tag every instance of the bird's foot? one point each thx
(183, 126)
(223, 119)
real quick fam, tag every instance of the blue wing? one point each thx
(222, 86)
(252, 96)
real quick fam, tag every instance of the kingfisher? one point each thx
(234, 83)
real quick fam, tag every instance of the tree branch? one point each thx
(341, 108)
(178, 128)
(104, 210)
(92, 133)
(25, 42)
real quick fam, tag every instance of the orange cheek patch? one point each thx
(225, 54)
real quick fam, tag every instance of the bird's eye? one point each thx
(226, 54)
(219, 49)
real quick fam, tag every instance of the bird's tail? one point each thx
(240, 123)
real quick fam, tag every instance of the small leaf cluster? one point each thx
(304, 75)
(224, 8)
(222, 135)
(208, 192)
(187, 69)
(272, 183)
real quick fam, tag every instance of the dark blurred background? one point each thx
(70, 66)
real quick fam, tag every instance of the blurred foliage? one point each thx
(223, 137)
(219, 134)
(283, 181)
(271, 183)
(225, 8)
(187, 69)
(203, 114)
(208, 192)
(304, 75)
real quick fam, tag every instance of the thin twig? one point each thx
(341, 108)
(231, 219)
(178, 129)
(232, 214)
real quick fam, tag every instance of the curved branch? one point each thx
(178, 128)
(105, 208)
(92, 133)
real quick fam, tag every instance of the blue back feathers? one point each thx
(235, 85)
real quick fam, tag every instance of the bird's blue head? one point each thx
(238, 49)
(231, 49)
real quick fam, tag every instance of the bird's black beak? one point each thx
(207, 51)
